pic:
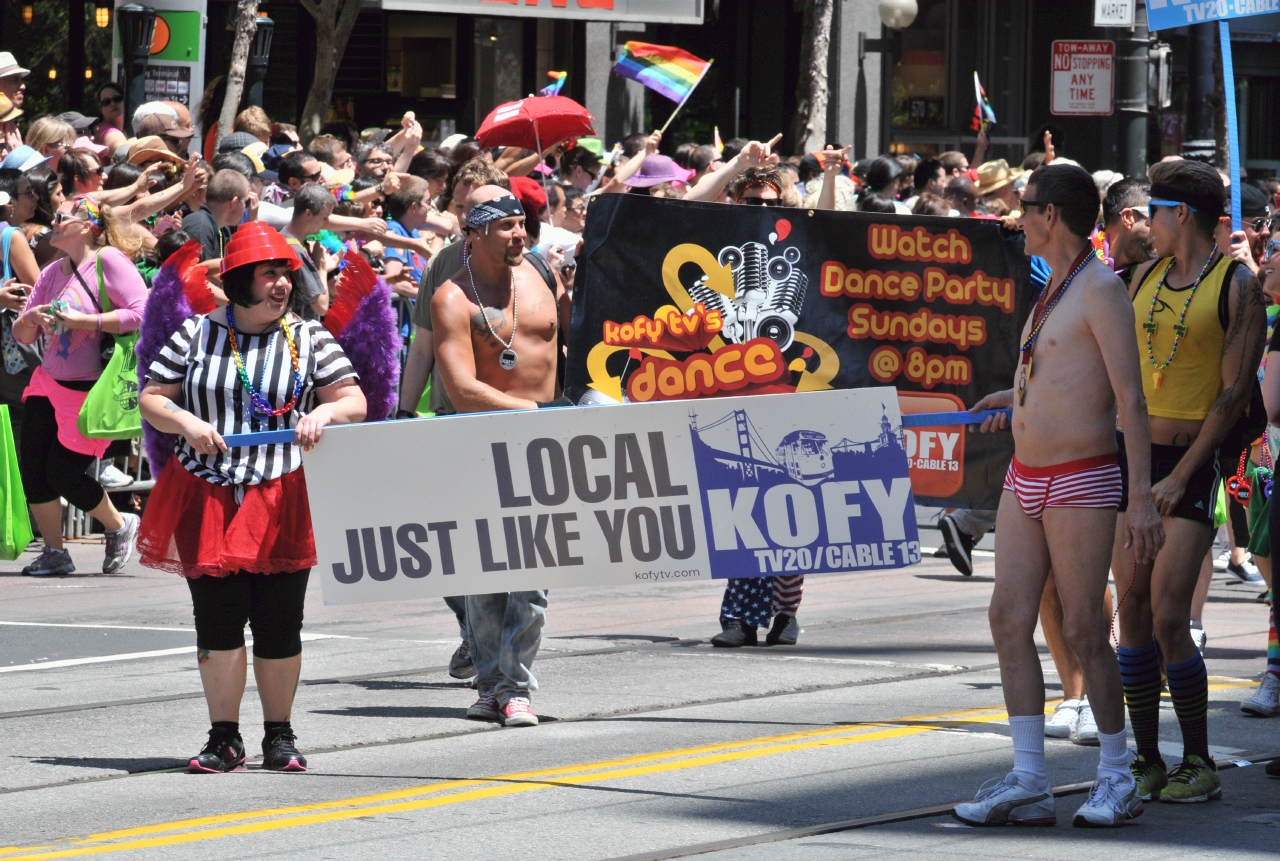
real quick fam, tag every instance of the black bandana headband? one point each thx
(497, 209)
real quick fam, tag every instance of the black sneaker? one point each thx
(222, 753)
(785, 631)
(958, 544)
(279, 754)
(735, 635)
(460, 665)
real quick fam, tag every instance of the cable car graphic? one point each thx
(806, 456)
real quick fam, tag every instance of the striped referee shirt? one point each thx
(199, 357)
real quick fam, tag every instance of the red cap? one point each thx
(529, 192)
(257, 242)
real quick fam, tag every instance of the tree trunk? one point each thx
(811, 93)
(246, 29)
(335, 19)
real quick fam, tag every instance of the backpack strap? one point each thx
(544, 269)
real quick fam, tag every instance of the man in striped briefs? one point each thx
(1200, 328)
(1077, 364)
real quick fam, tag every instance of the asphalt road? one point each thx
(652, 745)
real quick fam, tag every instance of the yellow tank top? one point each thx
(1192, 382)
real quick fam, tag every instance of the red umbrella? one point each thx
(535, 123)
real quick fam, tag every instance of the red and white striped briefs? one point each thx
(1093, 482)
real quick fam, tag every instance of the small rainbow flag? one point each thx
(554, 88)
(716, 142)
(664, 69)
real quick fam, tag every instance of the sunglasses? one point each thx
(1172, 204)
(64, 217)
(1024, 203)
(110, 100)
(315, 177)
(1257, 224)
(760, 201)
(378, 161)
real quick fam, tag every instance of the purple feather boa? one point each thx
(372, 343)
(167, 307)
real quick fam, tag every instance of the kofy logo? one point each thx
(802, 502)
(732, 328)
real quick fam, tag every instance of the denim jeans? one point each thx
(505, 629)
(458, 604)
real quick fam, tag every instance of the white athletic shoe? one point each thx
(1064, 720)
(1265, 701)
(1198, 636)
(1222, 560)
(1086, 729)
(1003, 801)
(1112, 802)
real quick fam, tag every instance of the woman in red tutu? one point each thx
(235, 521)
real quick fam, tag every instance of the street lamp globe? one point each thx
(898, 14)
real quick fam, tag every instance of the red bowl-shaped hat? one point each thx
(257, 242)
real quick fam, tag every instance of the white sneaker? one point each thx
(1222, 560)
(1003, 801)
(1064, 720)
(1086, 729)
(111, 478)
(1198, 636)
(1112, 802)
(1265, 702)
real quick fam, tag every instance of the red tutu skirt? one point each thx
(194, 528)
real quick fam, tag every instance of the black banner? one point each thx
(677, 300)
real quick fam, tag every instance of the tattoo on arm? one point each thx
(172, 407)
(202, 656)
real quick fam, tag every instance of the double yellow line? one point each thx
(445, 793)
(451, 792)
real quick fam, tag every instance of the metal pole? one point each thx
(1236, 169)
(1132, 62)
(737, 112)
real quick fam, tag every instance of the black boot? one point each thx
(785, 631)
(734, 635)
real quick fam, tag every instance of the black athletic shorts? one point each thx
(1201, 498)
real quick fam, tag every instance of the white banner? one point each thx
(590, 496)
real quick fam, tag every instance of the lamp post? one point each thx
(259, 53)
(137, 25)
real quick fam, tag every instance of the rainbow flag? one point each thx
(716, 142)
(664, 69)
(554, 88)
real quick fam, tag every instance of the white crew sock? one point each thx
(1028, 750)
(1115, 755)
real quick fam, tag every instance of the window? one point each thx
(920, 75)
(422, 56)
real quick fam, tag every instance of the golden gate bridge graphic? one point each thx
(804, 456)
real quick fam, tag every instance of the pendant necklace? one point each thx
(1041, 314)
(1180, 327)
(507, 358)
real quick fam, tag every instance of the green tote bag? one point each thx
(111, 409)
(15, 523)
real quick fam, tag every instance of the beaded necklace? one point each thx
(261, 405)
(1041, 314)
(1179, 328)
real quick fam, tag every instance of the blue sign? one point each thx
(1163, 14)
(809, 501)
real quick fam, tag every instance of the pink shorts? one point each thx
(1093, 482)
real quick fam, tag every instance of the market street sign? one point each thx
(1113, 13)
(1083, 78)
(1162, 14)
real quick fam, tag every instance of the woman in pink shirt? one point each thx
(65, 307)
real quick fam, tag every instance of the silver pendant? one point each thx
(507, 358)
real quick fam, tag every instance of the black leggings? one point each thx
(50, 469)
(270, 603)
